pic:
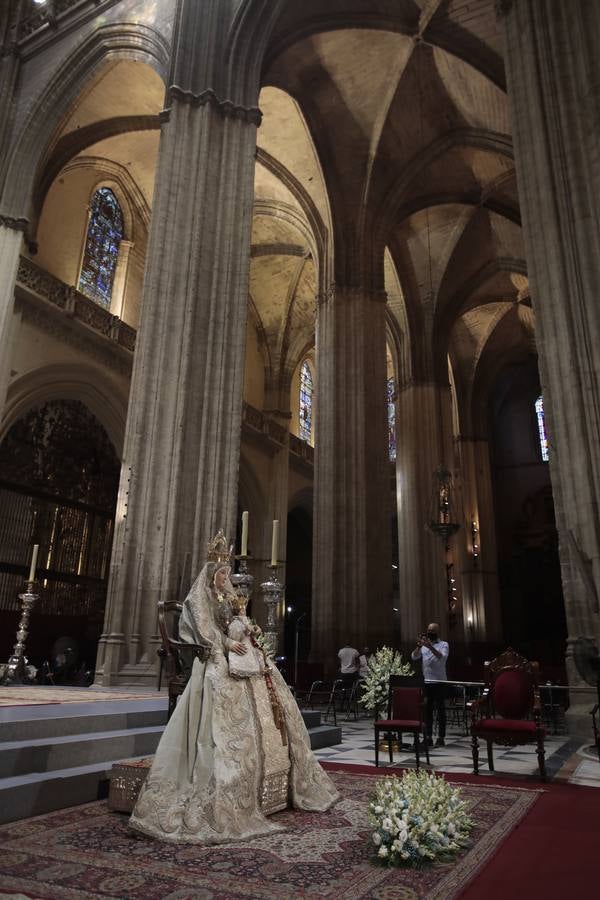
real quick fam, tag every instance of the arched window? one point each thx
(541, 423)
(306, 402)
(391, 405)
(104, 234)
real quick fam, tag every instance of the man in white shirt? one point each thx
(433, 654)
(348, 658)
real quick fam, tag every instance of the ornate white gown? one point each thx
(234, 750)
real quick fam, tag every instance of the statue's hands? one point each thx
(238, 648)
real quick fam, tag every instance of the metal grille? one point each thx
(75, 544)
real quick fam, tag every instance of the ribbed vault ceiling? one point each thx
(384, 158)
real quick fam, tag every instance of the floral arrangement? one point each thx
(417, 819)
(381, 665)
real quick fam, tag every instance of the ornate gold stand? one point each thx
(385, 746)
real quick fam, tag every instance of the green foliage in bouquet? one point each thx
(375, 686)
(260, 640)
(417, 819)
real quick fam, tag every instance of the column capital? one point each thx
(227, 108)
(416, 382)
(377, 295)
(16, 223)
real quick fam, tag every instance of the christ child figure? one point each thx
(242, 630)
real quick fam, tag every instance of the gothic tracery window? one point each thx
(306, 402)
(104, 235)
(541, 423)
(391, 405)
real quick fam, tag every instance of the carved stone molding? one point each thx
(227, 108)
(375, 294)
(75, 306)
(72, 333)
(272, 431)
(55, 13)
(17, 224)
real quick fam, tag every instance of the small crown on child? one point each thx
(218, 550)
(239, 602)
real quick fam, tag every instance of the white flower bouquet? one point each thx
(417, 819)
(375, 687)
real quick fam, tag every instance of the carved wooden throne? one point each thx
(179, 654)
(509, 712)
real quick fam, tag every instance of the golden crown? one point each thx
(218, 549)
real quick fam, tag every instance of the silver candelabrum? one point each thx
(273, 592)
(243, 580)
(14, 672)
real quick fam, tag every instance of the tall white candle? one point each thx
(274, 542)
(33, 565)
(245, 533)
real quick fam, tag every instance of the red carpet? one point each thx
(552, 854)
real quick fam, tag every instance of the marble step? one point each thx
(312, 718)
(88, 720)
(61, 755)
(36, 793)
(74, 750)
(325, 736)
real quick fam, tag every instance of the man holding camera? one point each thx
(433, 654)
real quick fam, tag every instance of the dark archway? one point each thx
(59, 476)
(528, 564)
(298, 592)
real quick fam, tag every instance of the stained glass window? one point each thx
(391, 402)
(105, 233)
(306, 401)
(541, 421)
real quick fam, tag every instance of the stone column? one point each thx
(11, 238)
(181, 458)
(12, 225)
(481, 619)
(423, 441)
(352, 560)
(277, 502)
(120, 279)
(553, 69)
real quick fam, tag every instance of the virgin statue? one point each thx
(236, 748)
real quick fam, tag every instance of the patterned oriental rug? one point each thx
(87, 851)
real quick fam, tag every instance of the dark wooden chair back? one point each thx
(180, 655)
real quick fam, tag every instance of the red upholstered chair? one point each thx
(509, 712)
(405, 714)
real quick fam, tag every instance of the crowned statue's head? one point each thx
(218, 560)
(218, 550)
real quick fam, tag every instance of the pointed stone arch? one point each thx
(110, 42)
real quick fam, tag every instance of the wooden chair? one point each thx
(405, 714)
(179, 654)
(509, 712)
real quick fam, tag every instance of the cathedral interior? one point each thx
(332, 263)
